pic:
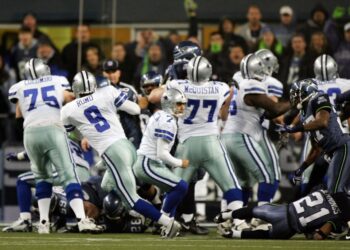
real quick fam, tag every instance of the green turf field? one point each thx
(19, 241)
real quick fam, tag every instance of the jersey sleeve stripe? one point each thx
(12, 93)
(277, 93)
(120, 100)
(164, 136)
(227, 93)
(275, 88)
(255, 89)
(69, 128)
(164, 132)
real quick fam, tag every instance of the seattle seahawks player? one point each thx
(198, 129)
(93, 114)
(39, 101)
(328, 81)
(243, 133)
(154, 151)
(149, 81)
(306, 215)
(319, 119)
(26, 181)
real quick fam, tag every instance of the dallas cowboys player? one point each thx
(93, 114)
(154, 151)
(26, 181)
(320, 120)
(198, 129)
(243, 132)
(39, 101)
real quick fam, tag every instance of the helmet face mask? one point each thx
(199, 70)
(325, 68)
(84, 83)
(150, 81)
(186, 50)
(252, 67)
(269, 59)
(174, 102)
(36, 68)
(302, 91)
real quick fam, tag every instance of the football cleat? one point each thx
(240, 225)
(222, 215)
(224, 230)
(171, 230)
(193, 228)
(44, 227)
(19, 225)
(346, 236)
(87, 225)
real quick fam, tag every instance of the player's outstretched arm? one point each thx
(226, 106)
(156, 95)
(130, 107)
(163, 153)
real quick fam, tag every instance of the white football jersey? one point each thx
(40, 100)
(95, 117)
(160, 125)
(243, 118)
(203, 106)
(274, 88)
(333, 88)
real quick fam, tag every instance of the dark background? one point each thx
(128, 11)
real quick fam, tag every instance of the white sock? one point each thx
(349, 223)
(226, 215)
(78, 208)
(25, 216)
(260, 203)
(223, 205)
(187, 217)
(164, 220)
(44, 209)
(236, 234)
(166, 214)
(234, 205)
(156, 200)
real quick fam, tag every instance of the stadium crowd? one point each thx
(296, 47)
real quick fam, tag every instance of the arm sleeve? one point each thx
(274, 87)
(121, 102)
(321, 102)
(130, 107)
(253, 87)
(65, 120)
(163, 153)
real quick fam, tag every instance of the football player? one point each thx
(243, 133)
(198, 129)
(320, 121)
(305, 215)
(39, 101)
(154, 151)
(26, 181)
(93, 114)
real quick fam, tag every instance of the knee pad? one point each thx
(43, 190)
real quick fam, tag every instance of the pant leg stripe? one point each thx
(147, 168)
(71, 159)
(256, 158)
(273, 154)
(118, 180)
(229, 166)
(306, 147)
(27, 177)
(341, 168)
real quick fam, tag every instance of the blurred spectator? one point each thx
(295, 65)
(168, 43)
(139, 48)
(51, 57)
(286, 28)
(24, 50)
(318, 17)
(153, 61)
(232, 63)
(251, 31)
(318, 45)
(7, 79)
(342, 54)
(215, 50)
(93, 64)
(119, 54)
(70, 51)
(30, 20)
(269, 41)
(226, 29)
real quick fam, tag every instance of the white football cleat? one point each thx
(259, 224)
(44, 228)
(87, 225)
(19, 225)
(171, 230)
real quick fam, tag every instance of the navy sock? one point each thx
(233, 194)
(246, 194)
(146, 209)
(266, 191)
(24, 196)
(43, 190)
(73, 191)
(175, 196)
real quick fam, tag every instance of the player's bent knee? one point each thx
(182, 187)
(73, 191)
(43, 190)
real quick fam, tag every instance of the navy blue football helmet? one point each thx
(150, 81)
(302, 91)
(113, 207)
(186, 50)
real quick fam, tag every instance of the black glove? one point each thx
(299, 173)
